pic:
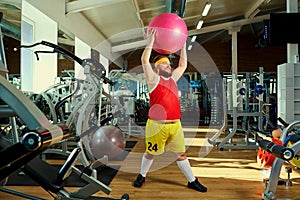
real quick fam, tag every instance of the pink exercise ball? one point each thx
(171, 33)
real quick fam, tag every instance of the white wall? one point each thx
(82, 50)
(79, 26)
(75, 22)
(37, 75)
(45, 15)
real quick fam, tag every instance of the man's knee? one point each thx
(181, 156)
(148, 156)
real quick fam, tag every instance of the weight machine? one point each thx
(40, 134)
(283, 154)
(123, 100)
(87, 103)
(238, 107)
(52, 100)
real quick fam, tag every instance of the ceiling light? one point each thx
(206, 9)
(200, 23)
(193, 38)
(190, 47)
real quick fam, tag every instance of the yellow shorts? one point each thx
(162, 137)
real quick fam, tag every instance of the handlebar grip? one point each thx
(106, 80)
(284, 123)
(277, 150)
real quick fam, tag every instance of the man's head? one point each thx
(162, 65)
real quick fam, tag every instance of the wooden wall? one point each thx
(250, 56)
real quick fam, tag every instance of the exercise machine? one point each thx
(238, 108)
(39, 135)
(87, 101)
(283, 154)
(24, 154)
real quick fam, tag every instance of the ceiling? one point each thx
(123, 22)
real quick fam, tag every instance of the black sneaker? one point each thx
(197, 186)
(139, 181)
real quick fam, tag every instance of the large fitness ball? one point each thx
(107, 140)
(171, 33)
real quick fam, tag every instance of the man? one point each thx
(163, 127)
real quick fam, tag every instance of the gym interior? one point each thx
(74, 100)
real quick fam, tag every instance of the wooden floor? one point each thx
(228, 174)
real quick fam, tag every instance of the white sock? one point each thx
(145, 166)
(185, 167)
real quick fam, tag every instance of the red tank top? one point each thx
(164, 100)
